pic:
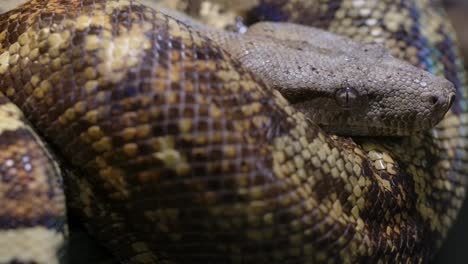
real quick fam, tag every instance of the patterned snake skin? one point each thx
(172, 152)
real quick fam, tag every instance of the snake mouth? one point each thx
(346, 99)
(349, 123)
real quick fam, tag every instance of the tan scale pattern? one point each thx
(181, 156)
(32, 211)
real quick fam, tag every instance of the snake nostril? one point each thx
(434, 99)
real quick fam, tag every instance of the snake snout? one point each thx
(438, 101)
(444, 98)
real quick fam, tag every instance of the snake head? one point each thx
(346, 87)
(365, 91)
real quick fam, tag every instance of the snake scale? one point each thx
(171, 152)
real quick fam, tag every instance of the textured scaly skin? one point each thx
(181, 156)
(32, 211)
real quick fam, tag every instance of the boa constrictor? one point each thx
(172, 152)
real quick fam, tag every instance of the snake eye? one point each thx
(347, 97)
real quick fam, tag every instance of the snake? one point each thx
(171, 151)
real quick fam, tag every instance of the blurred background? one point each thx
(458, 13)
(455, 249)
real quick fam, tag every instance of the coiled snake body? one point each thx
(174, 153)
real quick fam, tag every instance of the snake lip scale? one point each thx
(172, 148)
